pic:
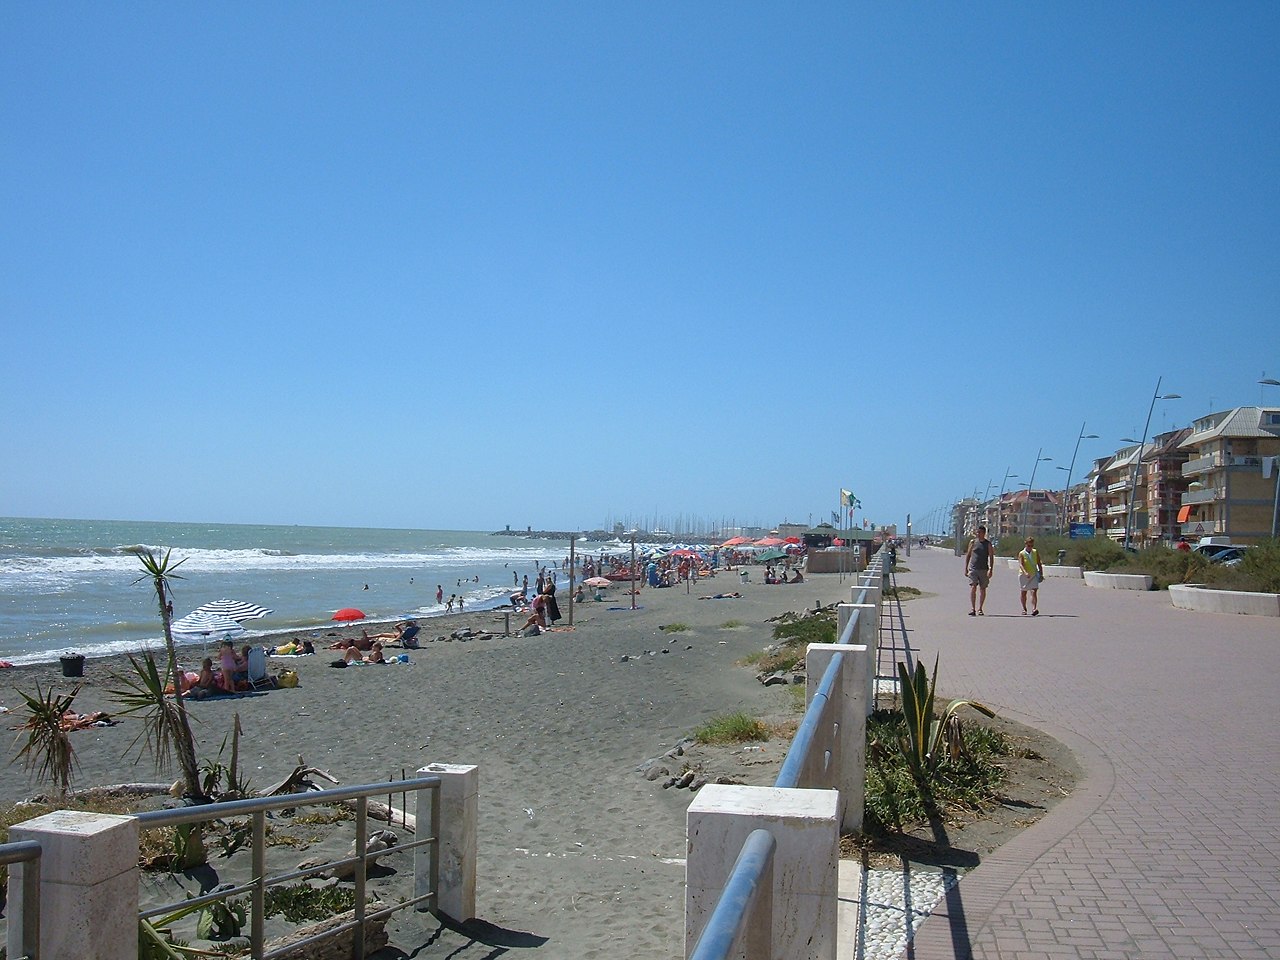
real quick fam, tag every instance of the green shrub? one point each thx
(1262, 565)
(1094, 553)
(1166, 566)
(675, 628)
(731, 728)
(818, 626)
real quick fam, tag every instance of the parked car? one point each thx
(1211, 550)
(1230, 557)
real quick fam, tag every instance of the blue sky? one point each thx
(430, 265)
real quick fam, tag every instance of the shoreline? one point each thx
(559, 725)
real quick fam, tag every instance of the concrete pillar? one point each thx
(459, 798)
(88, 885)
(872, 592)
(850, 777)
(805, 824)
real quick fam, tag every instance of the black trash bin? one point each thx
(72, 665)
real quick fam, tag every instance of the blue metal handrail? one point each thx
(736, 907)
(749, 881)
(26, 852)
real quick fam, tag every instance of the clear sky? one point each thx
(468, 265)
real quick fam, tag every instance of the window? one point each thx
(1272, 419)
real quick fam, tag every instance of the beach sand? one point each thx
(580, 855)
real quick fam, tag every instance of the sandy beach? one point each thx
(579, 853)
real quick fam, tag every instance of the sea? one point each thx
(75, 586)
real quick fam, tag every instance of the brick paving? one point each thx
(1170, 845)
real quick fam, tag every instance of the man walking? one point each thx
(1030, 576)
(979, 564)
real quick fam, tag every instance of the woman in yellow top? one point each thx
(1030, 575)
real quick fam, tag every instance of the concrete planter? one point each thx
(1071, 573)
(1193, 596)
(1117, 581)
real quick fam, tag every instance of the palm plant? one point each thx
(48, 750)
(177, 737)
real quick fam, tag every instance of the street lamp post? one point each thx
(1137, 463)
(1000, 501)
(1082, 436)
(1026, 504)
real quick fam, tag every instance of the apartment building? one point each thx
(1228, 494)
(1113, 488)
(1160, 489)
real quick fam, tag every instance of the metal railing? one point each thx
(743, 913)
(426, 881)
(26, 852)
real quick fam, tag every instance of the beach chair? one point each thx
(258, 678)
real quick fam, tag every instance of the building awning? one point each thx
(1184, 513)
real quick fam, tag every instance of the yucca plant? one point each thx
(48, 750)
(927, 735)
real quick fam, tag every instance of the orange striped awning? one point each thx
(1184, 513)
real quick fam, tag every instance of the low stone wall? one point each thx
(1193, 596)
(1072, 573)
(1050, 570)
(1117, 581)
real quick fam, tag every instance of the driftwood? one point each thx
(300, 781)
(339, 947)
(393, 815)
(379, 842)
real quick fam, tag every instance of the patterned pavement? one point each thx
(1170, 845)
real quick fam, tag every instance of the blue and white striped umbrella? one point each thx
(237, 610)
(206, 625)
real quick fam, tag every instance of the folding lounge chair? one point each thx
(257, 670)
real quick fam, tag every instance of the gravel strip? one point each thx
(892, 905)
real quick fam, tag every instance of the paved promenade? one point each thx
(1170, 846)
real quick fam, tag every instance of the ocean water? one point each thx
(72, 586)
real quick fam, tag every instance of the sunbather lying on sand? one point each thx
(722, 596)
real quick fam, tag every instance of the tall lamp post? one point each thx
(1082, 436)
(1137, 463)
(1026, 504)
(1000, 501)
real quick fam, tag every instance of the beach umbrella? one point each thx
(770, 542)
(597, 582)
(205, 626)
(237, 610)
(348, 613)
(770, 555)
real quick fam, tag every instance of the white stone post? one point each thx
(459, 798)
(850, 777)
(805, 824)
(88, 886)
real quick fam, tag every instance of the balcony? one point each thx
(1217, 461)
(1199, 465)
(1204, 496)
(1118, 485)
(1117, 510)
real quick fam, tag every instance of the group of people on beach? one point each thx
(368, 648)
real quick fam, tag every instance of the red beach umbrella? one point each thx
(349, 613)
